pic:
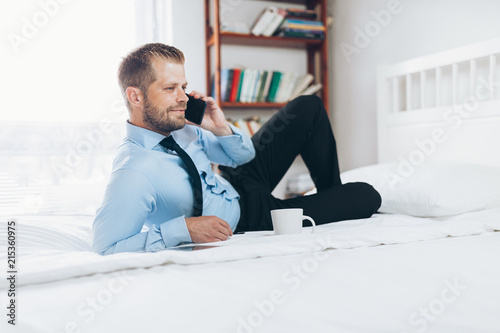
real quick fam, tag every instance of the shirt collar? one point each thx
(142, 136)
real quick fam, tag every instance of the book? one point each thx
(262, 84)
(249, 126)
(254, 125)
(305, 34)
(302, 83)
(241, 124)
(223, 83)
(245, 78)
(303, 22)
(283, 85)
(235, 84)
(301, 30)
(255, 85)
(250, 129)
(305, 14)
(229, 84)
(293, 82)
(264, 20)
(212, 84)
(266, 87)
(240, 86)
(274, 86)
(312, 89)
(275, 23)
(303, 27)
(250, 86)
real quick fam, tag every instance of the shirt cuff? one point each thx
(237, 139)
(175, 232)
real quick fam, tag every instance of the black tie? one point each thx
(170, 143)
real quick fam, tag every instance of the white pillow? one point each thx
(433, 189)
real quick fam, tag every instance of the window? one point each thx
(59, 59)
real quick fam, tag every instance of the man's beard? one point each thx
(160, 121)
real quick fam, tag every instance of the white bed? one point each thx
(391, 273)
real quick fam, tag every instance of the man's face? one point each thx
(165, 101)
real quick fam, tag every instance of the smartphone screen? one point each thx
(195, 110)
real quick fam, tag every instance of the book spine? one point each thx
(264, 20)
(302, 84)
(235, 85)
(241, 124)
(263, 80)
(295, 30)
(223, 83)
(303, 27)
(250, 84)
(265, 93)
(303, 15)
(275, 23)
(306, 22)
(212, 84)
(254, 124)
(274, 86)
(284, 82)
(250, 129)
(302, 35)
(312, 89)
(293, 82)
(229, 84)
(255, 87)
(244, 76)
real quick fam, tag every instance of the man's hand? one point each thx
(207, 229)
(214, 119)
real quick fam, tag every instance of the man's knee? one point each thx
(307, 102)
(307, 107)
(368, 197)
(308, 98)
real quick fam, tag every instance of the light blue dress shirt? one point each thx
(150, 187)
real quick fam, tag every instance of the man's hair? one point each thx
(136, 69)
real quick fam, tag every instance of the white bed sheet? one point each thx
(338, 279)
(58, 247)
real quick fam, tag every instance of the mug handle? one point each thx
(304, 217)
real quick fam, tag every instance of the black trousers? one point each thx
(301, 127)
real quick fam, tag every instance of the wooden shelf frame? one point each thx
(251, 40)
(317, 51)
(258, 105)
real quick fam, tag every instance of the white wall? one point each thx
(188, 34)
(417, 28)
(177, 23)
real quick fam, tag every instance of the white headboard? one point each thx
(444, 106)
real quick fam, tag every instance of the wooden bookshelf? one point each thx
(316, 50)
(251, 40)
(258, 105)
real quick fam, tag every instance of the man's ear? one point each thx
(135, 96)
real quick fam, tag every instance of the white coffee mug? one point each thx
(289, 221)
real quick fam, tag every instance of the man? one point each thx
(157, 185)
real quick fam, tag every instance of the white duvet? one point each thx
(389, 273)
(55, 248)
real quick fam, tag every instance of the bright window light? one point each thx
(59, 59)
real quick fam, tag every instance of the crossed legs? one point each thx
(301, 127)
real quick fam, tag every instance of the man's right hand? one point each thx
(207, 229)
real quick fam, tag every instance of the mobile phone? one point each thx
(195, 110)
